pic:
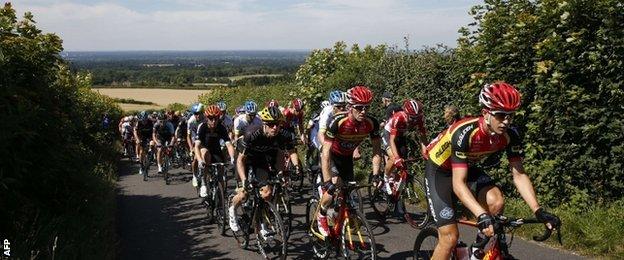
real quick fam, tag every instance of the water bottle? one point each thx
(462, 252)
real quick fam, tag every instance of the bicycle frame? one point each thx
(344, 214)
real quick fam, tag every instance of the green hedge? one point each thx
(58, 160)
(236, 96)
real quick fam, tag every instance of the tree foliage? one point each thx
(57, 158)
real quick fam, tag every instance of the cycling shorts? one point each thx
(259, 174)
(342, 166)
(442, 199)
(216, 156)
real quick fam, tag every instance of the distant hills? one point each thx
(180, 56)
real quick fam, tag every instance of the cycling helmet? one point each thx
(270, 114)
(212, 111)
(272, 103)
(161, 116)
(126, 119)
(500, 96)
(412, 107)
(251, 107)
(324, 104)
(360, 95)
(240, 110)
(297, 104)
(337, 97)
(143, 115)
(197, 108)
(222, 106)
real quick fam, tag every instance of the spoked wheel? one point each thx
(379, 200)
(270, 234)
(425, 243)
(415, 205)
(210, 204)
(320, 246)
(283, 205)
(357, 240)
(221, 208)
(241, 236)
(167, 165)
(145, 166)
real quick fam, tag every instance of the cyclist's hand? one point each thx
(425, 155)
(551, 221)
(485, 223)
(245, 184)
(202, 164)
(399, 163)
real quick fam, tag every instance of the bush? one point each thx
(236, 96)
(58, 158)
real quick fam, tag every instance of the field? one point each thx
(162, 97)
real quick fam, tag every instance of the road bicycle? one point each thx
(281, 200)
(128, 148)
(167, 154)
(488, 248)
(293, 178)
(407, 196)
(350, 234)
(181, 157)
(215, 202)
(146, 160)
(260, 217)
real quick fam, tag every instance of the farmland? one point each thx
(161, 97)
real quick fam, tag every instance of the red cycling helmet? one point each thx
(360, 95)
(212, 111)
(297, 104)
(412, 107)
(500, 96)
(272, 103)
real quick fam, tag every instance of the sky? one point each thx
(93, 25)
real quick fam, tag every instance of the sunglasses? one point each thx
(272, 124)
(360, 108)
(196, 114)
(502, 116)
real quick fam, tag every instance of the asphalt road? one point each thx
(158, 221)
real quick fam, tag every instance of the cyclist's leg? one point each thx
(438, 183)
(159, 153)
(487, 193)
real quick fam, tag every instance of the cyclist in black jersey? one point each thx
(143, 135)
(163, 134)
(207, 146)
(258, 153)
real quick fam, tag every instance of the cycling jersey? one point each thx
(210, 139)
(325, 118)
(228, 122)
(181, 131)
(261, 149)
(400, 123)
(192, 125)
(164, 130)
(466, 142)
(391, 109)
(292, 118)
(241, 124)
(126, 130)
(346, 133)
(144, 129)
(314, 125)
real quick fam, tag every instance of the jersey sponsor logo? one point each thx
(460, 155)
(442, 149)
(447, 213)
(463, 133)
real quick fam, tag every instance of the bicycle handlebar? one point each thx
(501, 222)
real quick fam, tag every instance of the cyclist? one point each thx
(451, 114)
(162, 135)
(411, 117)
(207, 145)
(451, 170)
(344, 134)
(258, 153)
(338, 100)
(226, 120)
(143, 136)
(239, 111)
(126, 131)
(389, 107)
(311, 131)
(192, 124)
(293, 118)
(242, 122)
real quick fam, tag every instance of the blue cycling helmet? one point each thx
(251, 107)
(338, 97)
(222, 106)
(197, 108)
(143, 115)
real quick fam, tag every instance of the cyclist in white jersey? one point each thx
(338, 100)
(242, 122)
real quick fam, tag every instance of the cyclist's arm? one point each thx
(393, 147)
(240, 166)
(376, 142)
(188, 140)
(230, 148)
(325, 160)
(460, 176)
(523, 184)
(154, 137)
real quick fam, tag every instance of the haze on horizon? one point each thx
(114, 25)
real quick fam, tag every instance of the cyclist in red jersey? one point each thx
(293, 118)
(452, 170)
(345, 133)
(395, 135)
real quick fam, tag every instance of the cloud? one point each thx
(244, 24)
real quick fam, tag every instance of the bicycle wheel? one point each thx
(166, 166)
(145, 166)
(270, 233)
(319, 246)
(425, 243)
(378, 198)
(415, 204)
(221, 210)
(209, 203)
(283, 205)
(356, 238)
